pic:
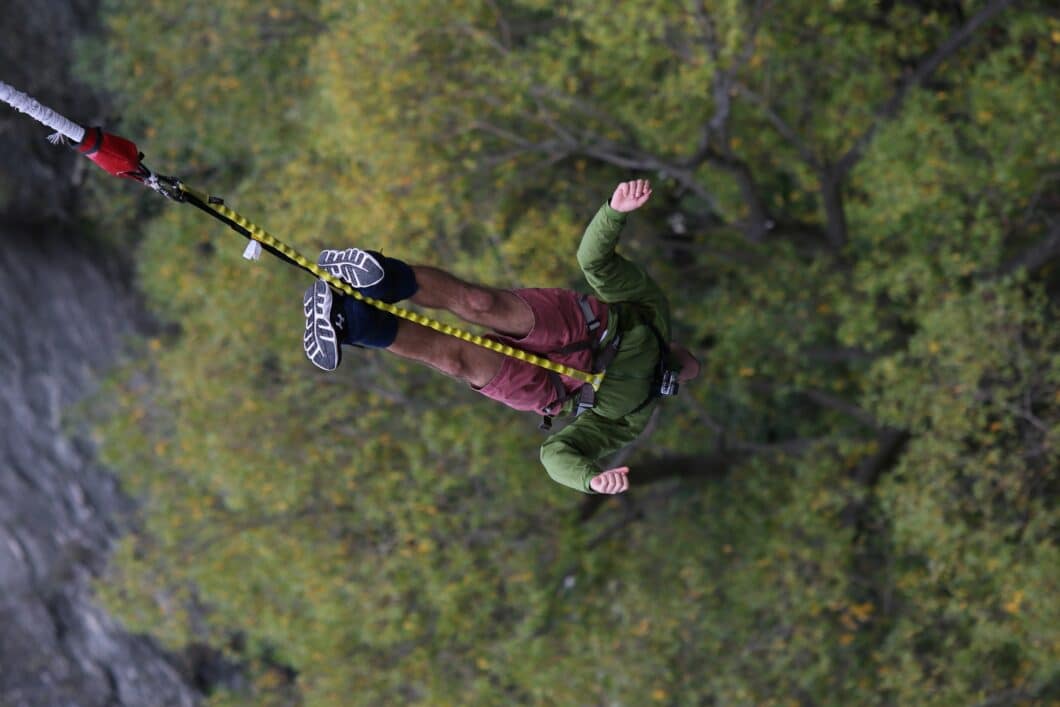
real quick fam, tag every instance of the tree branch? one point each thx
(889, 446)
(832, 175)
(834, 209)
(760, 220)
(1035, 257)
(628, 159)
(840, 355)
(502, 24)
(788, 446)
(926, 68)
(833, 402)
(714, 466)
(782, 127)
(710, 30)
(838, 404)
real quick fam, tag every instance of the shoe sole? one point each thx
(319, 341)
(353, 266)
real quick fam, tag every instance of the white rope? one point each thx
(42, 114)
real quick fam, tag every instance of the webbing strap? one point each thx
(586, 400)
(574, 347)
(241, 225)
(592, 323)
(604, 359)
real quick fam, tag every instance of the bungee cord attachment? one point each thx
(120, 157)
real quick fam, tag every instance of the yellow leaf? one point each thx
(862, 611)
(1013, 605)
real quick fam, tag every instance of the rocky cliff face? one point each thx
(61, 320)
(63, 317)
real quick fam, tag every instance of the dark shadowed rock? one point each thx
(61, 321)
(63, 318)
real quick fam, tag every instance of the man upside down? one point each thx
(624, 327)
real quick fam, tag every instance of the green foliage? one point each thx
(869, 514)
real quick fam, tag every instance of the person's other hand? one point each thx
(611, 481)
(631, 195)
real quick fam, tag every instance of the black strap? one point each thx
(660, 367)
(605, 357)
(651, 396)
(561, 397)
(97, 140)
(591, 321)
(561, 390)
(575, 346)
(586, 399)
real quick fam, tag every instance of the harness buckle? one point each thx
(586, 399)
(168, 187)
(669, 385)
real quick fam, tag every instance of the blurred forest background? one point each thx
(856, 214)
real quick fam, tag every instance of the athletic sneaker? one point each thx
(320, 341)
(354, 266)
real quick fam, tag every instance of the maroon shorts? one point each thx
(558, 322)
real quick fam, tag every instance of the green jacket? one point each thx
(570, 454)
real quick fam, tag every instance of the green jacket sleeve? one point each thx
(569, 456)
(613, 277)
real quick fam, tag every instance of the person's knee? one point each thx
(455, 361)
(481, 300)
(472, 364)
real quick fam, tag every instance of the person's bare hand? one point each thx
(631, 195)
(611, 481)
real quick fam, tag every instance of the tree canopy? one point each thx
(855, 214)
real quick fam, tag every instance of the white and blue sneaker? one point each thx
(320, 341)
(353, 266)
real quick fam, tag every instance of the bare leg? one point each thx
(500, 310)
(453, 357)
